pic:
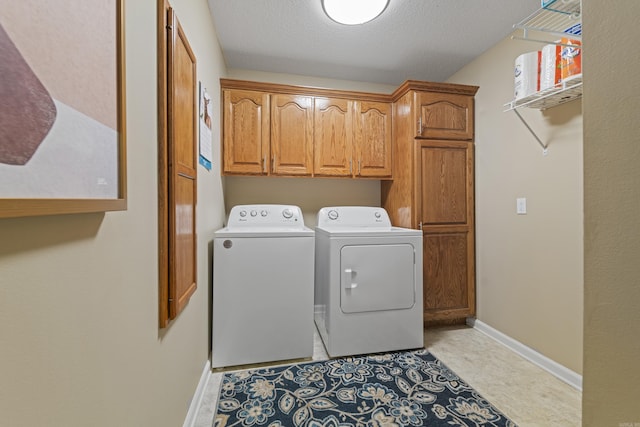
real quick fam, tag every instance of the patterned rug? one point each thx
(385, 390)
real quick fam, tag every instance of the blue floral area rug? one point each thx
(385, 390)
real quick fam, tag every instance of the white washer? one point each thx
(262, 286)
(368, 282)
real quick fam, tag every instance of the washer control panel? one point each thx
(265, 216)
(353, 216)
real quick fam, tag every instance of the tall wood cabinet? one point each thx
(273, 129)
(433, 190)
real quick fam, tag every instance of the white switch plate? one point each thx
(521, 205)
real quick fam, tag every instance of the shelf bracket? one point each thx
(544, 146)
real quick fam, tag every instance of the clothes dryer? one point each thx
(262, 306)
(368, 282)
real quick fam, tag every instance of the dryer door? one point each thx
(377, 277)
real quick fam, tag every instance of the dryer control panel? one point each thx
(265, 216)
(353, 216)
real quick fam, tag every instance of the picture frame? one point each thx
(62, 120)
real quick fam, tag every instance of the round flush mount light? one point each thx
(354, 12)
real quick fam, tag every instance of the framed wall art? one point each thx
(62, 115)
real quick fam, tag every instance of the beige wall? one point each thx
(79, 342)
(529, 267)
(612, 224)
(310, 194)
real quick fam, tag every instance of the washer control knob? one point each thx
(243, 213)
(332, 214)
(378, 215)
(287, 213)
(254, 213)
(263, 213)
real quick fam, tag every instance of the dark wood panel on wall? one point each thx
(177, 166)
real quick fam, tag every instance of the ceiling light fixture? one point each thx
(354, 12)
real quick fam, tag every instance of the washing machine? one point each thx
(368, 282)
(263, 263)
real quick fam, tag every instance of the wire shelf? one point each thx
(560, 17)
(569, 90)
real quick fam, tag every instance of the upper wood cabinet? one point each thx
(372, 139)
(443, 115)
(271, 129)
(291, 135)
(333, 137)
(246, 126)
(352, 138)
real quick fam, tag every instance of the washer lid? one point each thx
(263, 232)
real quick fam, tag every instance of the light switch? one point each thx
(521, 205)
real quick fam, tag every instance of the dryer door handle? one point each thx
(348, 279)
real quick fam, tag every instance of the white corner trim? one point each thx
(538, 359)
(196, 400)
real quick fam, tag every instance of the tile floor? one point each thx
(527, 394)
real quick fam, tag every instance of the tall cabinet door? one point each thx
(333, 137)
(183, 174)
(446, 214)
(246, 132)
(291, 135)
(373, 139)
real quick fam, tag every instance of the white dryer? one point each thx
(368, 282)
(262, 286)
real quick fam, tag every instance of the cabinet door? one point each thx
(333, 137)
(291, 135)
(183, 164)
(443, 115)
(446, 213)
(246, 132)
(373, 139)
(448, 290)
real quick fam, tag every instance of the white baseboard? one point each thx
(554, 368)
(196, 400)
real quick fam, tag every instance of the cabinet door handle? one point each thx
(420, 126)
(264, 163)
(273, 163)
(350, 167)
(359, 166)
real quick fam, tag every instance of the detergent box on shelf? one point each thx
(570, 58)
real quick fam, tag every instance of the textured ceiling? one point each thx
(413, 39)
